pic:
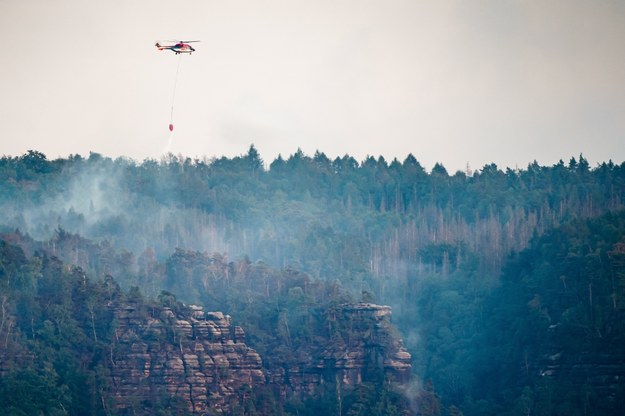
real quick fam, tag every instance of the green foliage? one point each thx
(29, 392)
(365, 399)
(560, 313)
(53, 329)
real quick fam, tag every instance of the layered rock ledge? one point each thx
(200, 360)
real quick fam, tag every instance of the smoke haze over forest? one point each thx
(365, 208)
(442, 249)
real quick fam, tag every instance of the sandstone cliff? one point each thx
(366, 343)
(202, 361)
(198, 358)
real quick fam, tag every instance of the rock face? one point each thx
(365, 343)
(377, 337)
(199, 359)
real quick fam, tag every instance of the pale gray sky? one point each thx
(451, 81)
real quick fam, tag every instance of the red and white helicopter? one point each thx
(181, 46)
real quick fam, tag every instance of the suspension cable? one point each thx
(173, 95)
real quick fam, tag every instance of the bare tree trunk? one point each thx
(95, 337)
(4, 312)
(338, 394)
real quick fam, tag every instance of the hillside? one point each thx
(76, 346)
(561, 311)
(471, 264)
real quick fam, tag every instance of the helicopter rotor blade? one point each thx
(178, 41)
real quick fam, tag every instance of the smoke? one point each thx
(170, 139)
(102, 199)
(412, 391)
(74, 201)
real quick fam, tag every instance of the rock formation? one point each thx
(366, 343)
(200, 359)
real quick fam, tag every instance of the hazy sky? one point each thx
(455, 82)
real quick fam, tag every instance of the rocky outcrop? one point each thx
(375, 335)
(365, 343)
(200, 360)
(197, 358)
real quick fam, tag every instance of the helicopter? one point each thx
(180, 46)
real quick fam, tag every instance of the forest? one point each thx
(507, 286)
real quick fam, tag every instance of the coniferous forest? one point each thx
(507, 287)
